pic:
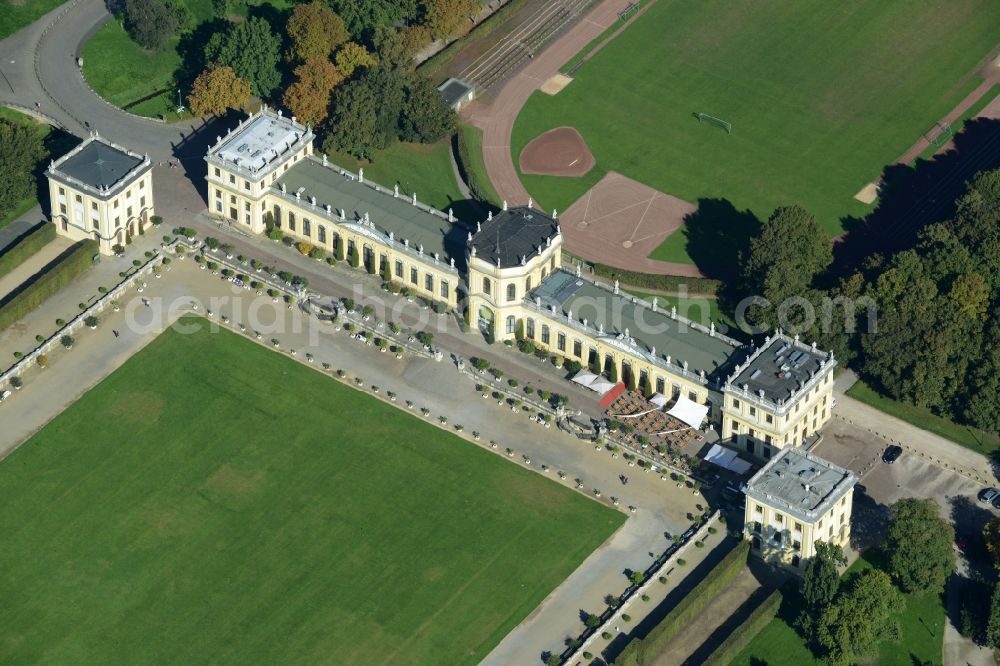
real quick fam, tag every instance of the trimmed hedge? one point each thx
(694, 286)
(26, 246)
(761, 616)
(689, 607)
(53, 277)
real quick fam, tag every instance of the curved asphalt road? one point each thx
(38, 64)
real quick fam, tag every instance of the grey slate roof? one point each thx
(800, 483)
(779, 369)
(388, 213)
(512, 234)
(99, 165)
(453, 90)
(616, 313)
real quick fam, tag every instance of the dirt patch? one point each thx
(232, 481)
(138, 407)
(868, 194)
(558, 152)
(555, 84)
(619, 222)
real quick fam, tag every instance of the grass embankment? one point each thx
(25, 247)
(47, 282)
(470, 160)
(811, 129)
(921, 623)
(983, 442)
(215, 501)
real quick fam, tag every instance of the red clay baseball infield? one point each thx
(558, 152)
(619, 221)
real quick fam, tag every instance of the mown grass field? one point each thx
(15, 14)
(921, 625)
(820, 96)
(215, 502)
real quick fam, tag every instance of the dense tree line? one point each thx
(932, 341)
(21, 152)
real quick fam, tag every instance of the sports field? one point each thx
(821, 96)
(215, 502)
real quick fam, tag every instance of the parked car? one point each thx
(987, 495)
(996, 502)
(891, 454)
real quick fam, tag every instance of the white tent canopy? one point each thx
(727, 458)
(689, 411)
(585, 378)
(594, 382)
(659, 400)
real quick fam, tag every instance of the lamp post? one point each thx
(180, 104)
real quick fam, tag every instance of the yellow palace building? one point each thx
(505, 272)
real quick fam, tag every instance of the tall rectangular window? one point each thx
(306, 227)
(529, 329)
(545, 334)
(577, 348)
(399, 268)
(444, 289)
(413, 276)
(321, 230)
(561, 341)
(429, 282)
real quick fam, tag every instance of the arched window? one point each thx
(510, 324)
(486, 286)
(511, 292)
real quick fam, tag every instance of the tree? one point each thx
(448, 18)
(993, 623)
(365, 113)
(859, 618)
(309, 97)
(252, 50)
(21, 152)
(425, 116)
(314, 31)
(920, 545)
(364, 16)
(784, 258)
(519, 330)
(991, 534)
(150, 23)
(355, 256)
(392, 49)
(351, 56)
(819, 584)
(216, 90)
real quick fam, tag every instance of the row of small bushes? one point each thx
(444, 57)
(694, 286)
(761, 616)
(57, 275)
(26, 246)
(687, 609)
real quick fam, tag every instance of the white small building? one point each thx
(794, 501)
(457, 93)
(101, 191)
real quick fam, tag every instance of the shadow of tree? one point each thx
(717, 235)
(914, 196)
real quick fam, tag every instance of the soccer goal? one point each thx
(632, 8)
(712, 120)
(939, 134)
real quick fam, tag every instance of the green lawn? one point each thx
(417, 167)
(124, 73)
(921, 623)
(15, 14)
(213, 501)
(143, 82)
(984, 442)
(820, 96)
